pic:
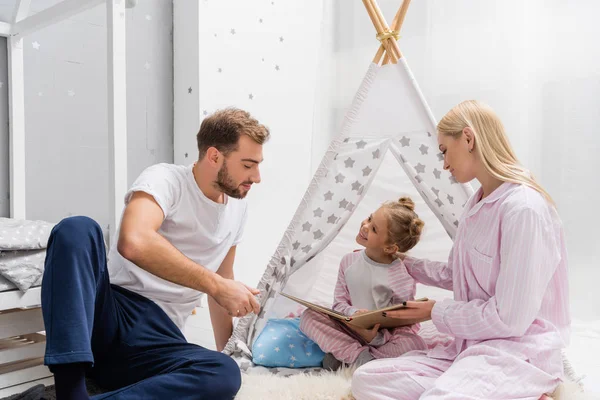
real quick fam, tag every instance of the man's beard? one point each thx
(226, 184)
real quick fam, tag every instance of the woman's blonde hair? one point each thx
(492, 144)
(404, 225)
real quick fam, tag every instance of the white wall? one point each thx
(262, 57)
(66, 108)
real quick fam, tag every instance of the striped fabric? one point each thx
(509, 316)
(363, 283)
(333, 337)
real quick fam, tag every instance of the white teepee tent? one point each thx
(387, 148)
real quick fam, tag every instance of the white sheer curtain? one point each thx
(536, 62)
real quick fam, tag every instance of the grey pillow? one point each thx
(24, 268)
(17, 234)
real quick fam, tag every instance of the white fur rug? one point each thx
(335, 386)
(324, 386)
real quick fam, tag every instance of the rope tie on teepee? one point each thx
(387, 35)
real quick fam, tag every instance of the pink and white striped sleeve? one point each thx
(403, 285)
(529, 257)
(431, 273)
(341, 299)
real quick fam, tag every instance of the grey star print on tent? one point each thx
(388, 118)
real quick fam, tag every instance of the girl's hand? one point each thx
(367, 334)
(361, 311)
(414, 310)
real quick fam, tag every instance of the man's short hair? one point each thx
(223, 129)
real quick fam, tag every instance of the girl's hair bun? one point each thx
(407, 202)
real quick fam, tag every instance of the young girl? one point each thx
(371, 279)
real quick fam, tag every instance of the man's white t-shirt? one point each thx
(204, 231)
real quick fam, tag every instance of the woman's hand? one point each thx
(367, 334)
(414, 310)
(361, 311)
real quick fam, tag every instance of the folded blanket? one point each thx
(23, 251)
(5, 284)
(22, 267)
(20, 234)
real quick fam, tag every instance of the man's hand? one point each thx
(367, 334)
(237, 298)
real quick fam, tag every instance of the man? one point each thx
(122, 323)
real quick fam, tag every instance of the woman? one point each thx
(508, 270)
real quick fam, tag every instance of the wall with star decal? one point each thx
(66, 110)
(262, 56)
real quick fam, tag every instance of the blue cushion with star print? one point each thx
(282, 344)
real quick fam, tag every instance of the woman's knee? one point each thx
(371, 381)
(360, 382)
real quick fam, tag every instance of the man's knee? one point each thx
(228, 378)
(72, 230)
(76, 227)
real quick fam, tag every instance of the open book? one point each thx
(367, 320)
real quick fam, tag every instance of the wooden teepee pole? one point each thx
(381, 28)
(393, 27)
(389, 45)
(386, 28)
(397, 24)
(402, 14)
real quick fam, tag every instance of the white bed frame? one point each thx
(22, 340)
